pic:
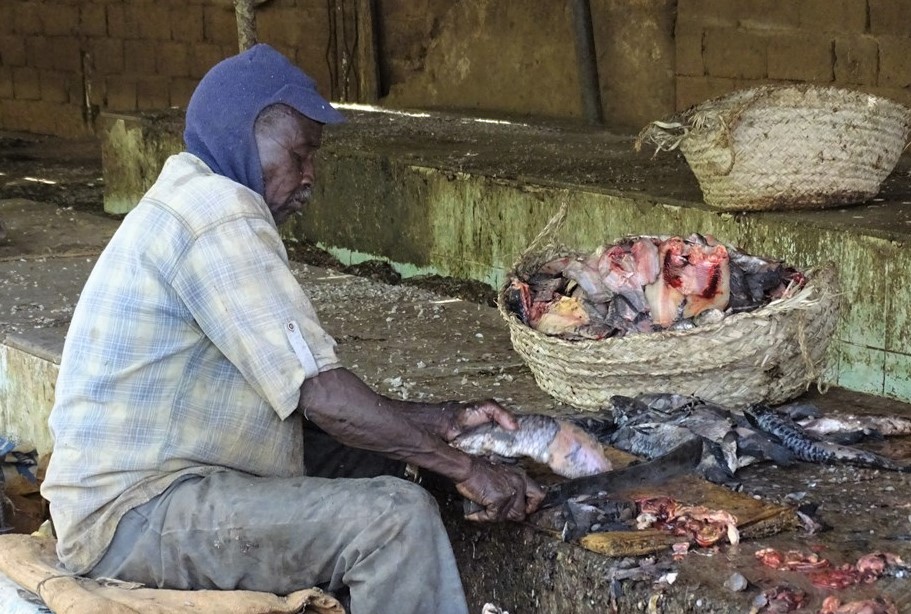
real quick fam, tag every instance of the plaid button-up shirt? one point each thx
(185, 355)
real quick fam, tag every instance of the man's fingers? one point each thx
(534, 495)
(491, 411)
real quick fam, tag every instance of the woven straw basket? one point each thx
(787, 147)
(769, 355)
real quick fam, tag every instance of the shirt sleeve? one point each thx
(235, 281)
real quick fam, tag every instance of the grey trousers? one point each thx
(380, 538)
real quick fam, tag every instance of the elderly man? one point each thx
(193, 362)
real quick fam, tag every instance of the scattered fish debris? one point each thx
(822, 573)
(699, 524)
(649, 425)
(645, 284)
(879, 605)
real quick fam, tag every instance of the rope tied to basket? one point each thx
(544, 236)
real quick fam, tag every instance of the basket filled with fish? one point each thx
(667, 314)
(795, 146)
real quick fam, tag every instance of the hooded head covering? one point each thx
(225, 104)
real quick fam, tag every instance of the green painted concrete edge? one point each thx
(472, 227)
(429, 220)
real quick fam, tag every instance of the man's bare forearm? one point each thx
(351, 412)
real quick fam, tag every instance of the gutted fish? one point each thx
(564, 447)
(643, 284)
(808, 448)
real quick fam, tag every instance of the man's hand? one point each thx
(504, 492)
(456, 418)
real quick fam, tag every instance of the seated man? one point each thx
(193, 361)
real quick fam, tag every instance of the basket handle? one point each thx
(552, 226)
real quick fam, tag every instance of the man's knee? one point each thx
(404, 495)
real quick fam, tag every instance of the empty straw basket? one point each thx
(771, 354)
(787, 147)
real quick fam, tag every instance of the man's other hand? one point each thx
(459, 417)
(503, 492)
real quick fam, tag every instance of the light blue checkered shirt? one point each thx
(185, 355)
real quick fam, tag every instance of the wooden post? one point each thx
(367, 52)
(246, 23)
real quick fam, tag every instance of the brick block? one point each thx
(220, 26)
(27, 18)
(315, 66)
(70, 122)
(93, 20)
(153, 93)
(187, 24)
(39, 52)
(173, 59)
(734, 54)
(139, 57)
(891, 17)
(53, 86)
(7, 18)
(894, 62)
(181, 90)
(689, 54)
(204, 56)
(107, 55)
(75, 88)
(12, 50)
(856, 60)
(59, 19)
(833, 15)
(26, 83)
(802, 57)
(122, 21)
(282, 26)
(768, 14)
(67, 53)
(155, 22)
(697, 13)
(6, 82)
(120, 93)
(693, 90)
(29, 116)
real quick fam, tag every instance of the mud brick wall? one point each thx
(722, 45)
(64, 61)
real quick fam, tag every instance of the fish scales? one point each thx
(564, 447)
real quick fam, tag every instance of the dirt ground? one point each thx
(393, 341)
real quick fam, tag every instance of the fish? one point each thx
(567, 449)
(807, 447)
(809, 417)
(650, 424)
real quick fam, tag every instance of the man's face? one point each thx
(287, 142)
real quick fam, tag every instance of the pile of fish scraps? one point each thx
(654, 426)
(646, 284)
(650, 425)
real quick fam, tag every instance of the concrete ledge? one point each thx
(461, 197)
(26, 396)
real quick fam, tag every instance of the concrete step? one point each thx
(410, 343)
(464, 197)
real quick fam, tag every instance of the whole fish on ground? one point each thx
(649, 423)
(568, 450)
(845, 428)
(809, 448)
